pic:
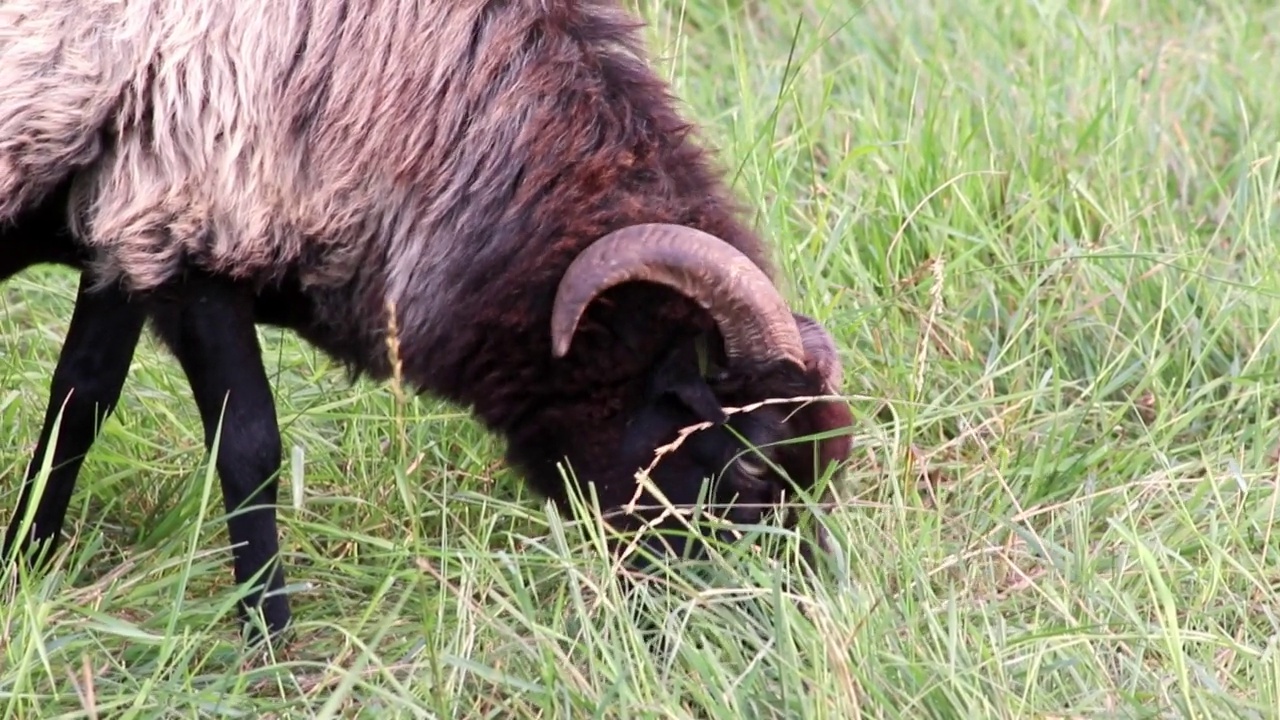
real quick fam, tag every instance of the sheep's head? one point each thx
(763, 355)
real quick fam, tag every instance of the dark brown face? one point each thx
(761, 352)
(741, 465)
(750, 462)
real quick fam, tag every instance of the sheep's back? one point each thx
(62, 74)
(259, 138)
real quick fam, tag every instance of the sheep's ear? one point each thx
(680, 377)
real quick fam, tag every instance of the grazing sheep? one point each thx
(507, 181)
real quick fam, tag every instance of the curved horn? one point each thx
(820, 350)
(753, 318)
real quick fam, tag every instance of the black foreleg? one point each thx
(86, 385)
(209, 327)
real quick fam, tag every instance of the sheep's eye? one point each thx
(753, 465)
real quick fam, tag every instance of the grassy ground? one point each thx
(1042, 233)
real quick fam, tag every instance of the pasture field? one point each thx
(1044, 234)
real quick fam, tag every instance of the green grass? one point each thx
(1041, 232)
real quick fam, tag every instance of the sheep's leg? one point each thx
(209, 327)
(89, 375)
(86, 385)
(38, 236)
(16, 257)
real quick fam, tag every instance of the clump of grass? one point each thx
(1043, 236)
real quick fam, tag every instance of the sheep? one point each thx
(507, 183)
